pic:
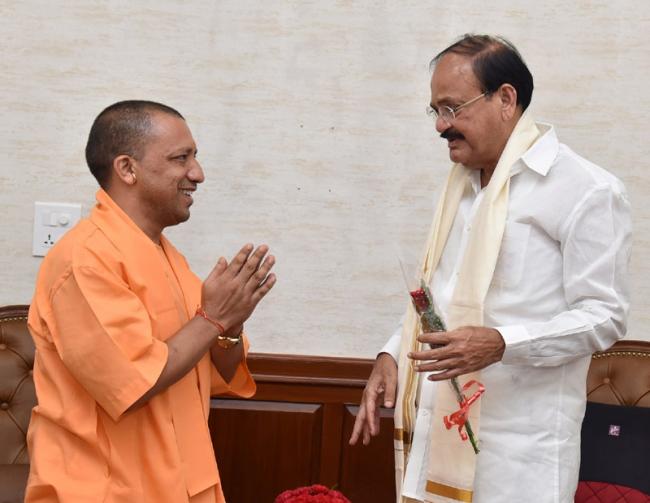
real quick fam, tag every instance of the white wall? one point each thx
(309, 116)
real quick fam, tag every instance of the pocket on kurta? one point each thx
(512, 255)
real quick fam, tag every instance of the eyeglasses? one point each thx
(447, 113)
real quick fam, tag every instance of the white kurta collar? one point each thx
(539, 157)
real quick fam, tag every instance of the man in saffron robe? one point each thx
(130, 344)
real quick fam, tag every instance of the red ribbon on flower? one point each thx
(459, 418)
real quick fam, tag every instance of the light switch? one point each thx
(51, 221)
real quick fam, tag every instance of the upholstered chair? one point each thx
(615, 450)
(17, 398)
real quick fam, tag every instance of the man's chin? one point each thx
(179, 218)
(456, 156)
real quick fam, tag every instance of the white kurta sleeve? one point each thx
(595, 246)
(393, 345)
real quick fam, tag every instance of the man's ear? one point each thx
(124, 169)
(508, 98)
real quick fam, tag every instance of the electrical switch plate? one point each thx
(51, 221)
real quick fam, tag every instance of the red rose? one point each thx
(312, 494)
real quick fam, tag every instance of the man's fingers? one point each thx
(371, 411)
(259, 277)
(254, 261)
(389, 393)
(374, 422)
(440, 365)
(447, 374)
(428, 355)
(363, 424)
(382, 383)
(358, 426)
(366, 436)
(264, 288)
(240, 258)
(435, 338)
(361, 427)
(218, 269)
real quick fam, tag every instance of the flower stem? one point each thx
(468, 426)
(431, 322)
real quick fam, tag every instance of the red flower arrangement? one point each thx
(312, 494)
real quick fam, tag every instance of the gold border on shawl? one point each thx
(409, 394)
(449, 491)
(400, 435)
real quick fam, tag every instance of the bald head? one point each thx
(121, 129)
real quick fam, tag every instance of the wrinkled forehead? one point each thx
(453, 78)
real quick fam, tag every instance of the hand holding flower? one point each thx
(458, 352)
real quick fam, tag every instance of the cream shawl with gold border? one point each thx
(452, 462)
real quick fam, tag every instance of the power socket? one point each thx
(51, 221)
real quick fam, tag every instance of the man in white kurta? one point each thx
(558, 293)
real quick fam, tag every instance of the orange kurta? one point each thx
(106, 299)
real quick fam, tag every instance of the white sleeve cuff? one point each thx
(392, 347)
(516, 338)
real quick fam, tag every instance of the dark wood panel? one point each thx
(367, 472)
(308, 393)
(309, 379)
(265, 447)
(305, 408)
(303, 367)
(331, 445)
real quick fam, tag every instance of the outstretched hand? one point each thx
(382, 384)
(232, 290)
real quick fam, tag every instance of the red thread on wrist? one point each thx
(203, 314)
